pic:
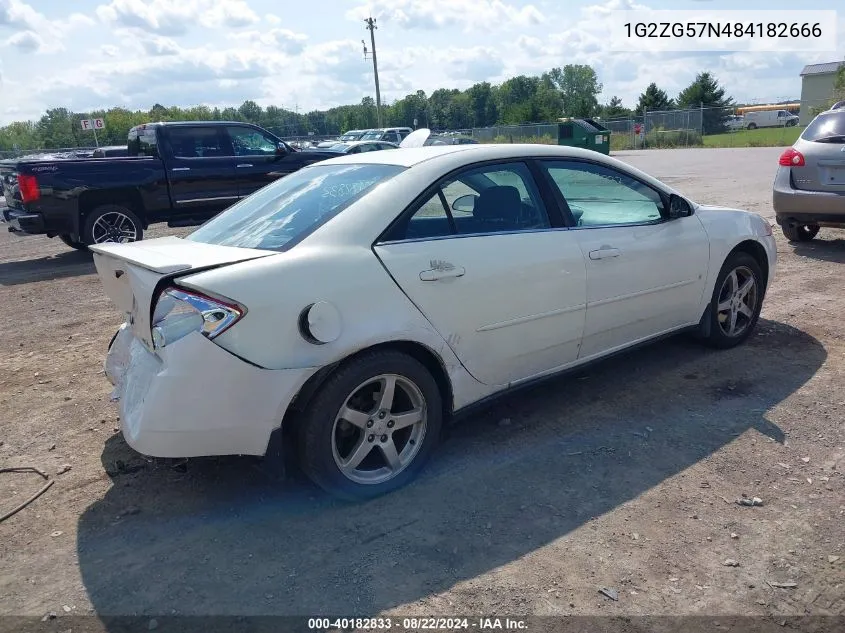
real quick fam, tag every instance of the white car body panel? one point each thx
(528, 289)
(560, 308)
(631, 296)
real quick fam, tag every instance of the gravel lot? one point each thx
(623, 476)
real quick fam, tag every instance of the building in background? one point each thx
(816, 88)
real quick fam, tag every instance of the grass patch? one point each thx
(761, 137)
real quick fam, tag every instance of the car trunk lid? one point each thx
(823, 169)
(130, 273)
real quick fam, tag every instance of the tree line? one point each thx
(570, 91)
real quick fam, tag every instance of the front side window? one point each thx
(248, 141)
(286, 211)
(602, 196)
(197, 142)
(491, 199)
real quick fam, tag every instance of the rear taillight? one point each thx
(28, 186)
(180, 312)
(791, 158)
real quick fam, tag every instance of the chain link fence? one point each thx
(533, 133)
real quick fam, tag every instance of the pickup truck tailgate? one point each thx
(130, 272)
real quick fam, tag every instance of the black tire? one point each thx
(799, 232)
(71, 242)
(92, 232)
(713, 333)
(752, 126)
(318, 432)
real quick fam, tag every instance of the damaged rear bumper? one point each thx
(193, 398)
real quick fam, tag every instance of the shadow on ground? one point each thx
(67, 264)
(222, 539)
(828, 250)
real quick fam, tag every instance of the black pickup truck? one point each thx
(181, 173)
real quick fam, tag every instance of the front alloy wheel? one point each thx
(737, 302)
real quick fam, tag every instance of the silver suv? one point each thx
(809, 189)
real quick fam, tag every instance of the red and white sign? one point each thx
(92, 124)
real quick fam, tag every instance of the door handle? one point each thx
(181, 169)
(442, 272)
(244, 165)
(605, 252)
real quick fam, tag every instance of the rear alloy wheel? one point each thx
(372, 426)
(737, 301)
(752, 126)
(799, 232)
(112, 223)
(64, 237)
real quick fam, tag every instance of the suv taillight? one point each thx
(28, 186)
(791, 158)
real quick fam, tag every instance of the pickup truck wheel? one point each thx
(72, 242)
(112, 223)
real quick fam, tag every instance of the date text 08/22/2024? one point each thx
(418, 624)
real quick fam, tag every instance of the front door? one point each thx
(478, 259)
(258, 159)
(201, 170)
(645, 272)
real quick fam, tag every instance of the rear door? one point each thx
(259, 160)
(480, 260)
(201, 170)
(823, 145)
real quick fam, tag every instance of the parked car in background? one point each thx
(809, 187)
(181, 173)
(351, 135)
(735, 122)
(450, 140)
(391, 134)
(357, 147)
(770, 118)
(433, 283)
(111, 151)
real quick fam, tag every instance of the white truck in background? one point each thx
(769, 118)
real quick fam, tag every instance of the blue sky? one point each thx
(85, 54)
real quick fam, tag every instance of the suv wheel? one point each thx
(112, 223)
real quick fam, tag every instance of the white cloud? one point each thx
(471, 15)
(34, 32)
(28, 41)
(174, 17)
(283, 40)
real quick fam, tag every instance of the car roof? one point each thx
(410, 156)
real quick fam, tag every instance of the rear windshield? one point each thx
(828, 127)
(288, 210)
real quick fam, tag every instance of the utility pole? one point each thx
(371, 27)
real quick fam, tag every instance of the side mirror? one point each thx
(678, 207)
(465, 203)
(281, 149)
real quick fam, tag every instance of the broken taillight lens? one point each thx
(179, 312)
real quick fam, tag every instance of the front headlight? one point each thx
(179, 312)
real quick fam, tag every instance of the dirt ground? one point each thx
(623, 476)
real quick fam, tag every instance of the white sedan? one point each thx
(354, 306)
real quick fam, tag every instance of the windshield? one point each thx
(288, 210)
(372, 136)
(350, 137)
(828, 127)
(339, 147)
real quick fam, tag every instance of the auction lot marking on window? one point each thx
(752, 31)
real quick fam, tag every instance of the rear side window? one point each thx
(828, 127)
(288, 210)
(142, 141)
(197, 142)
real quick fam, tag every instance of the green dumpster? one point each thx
(586, 133)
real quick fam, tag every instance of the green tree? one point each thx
(250, 111)
(654, 100)
(579, 89)
(706, 93)
(614, 109)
